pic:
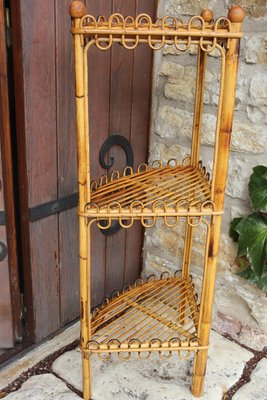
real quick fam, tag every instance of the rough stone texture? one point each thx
(240, 307)
(255, 49)
(256, 389)
(43, 387)
(190, 7)
(177, 123)
(157, 379)
(28, 360)
(258, 90)
(253, 8)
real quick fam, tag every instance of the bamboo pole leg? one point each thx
(85, 304)
(200, 362)
(77, 11)
(205, 315)
(87, 377)
(236, 16)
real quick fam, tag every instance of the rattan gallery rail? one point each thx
(160, 314)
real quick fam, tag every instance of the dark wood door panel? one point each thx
(119, 87)
(121, 97)
(99, 99)
(67, 166)
(40, 158)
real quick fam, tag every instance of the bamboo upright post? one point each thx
(207, 16)
(77, 11)
(236, 16)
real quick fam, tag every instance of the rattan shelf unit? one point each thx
(161, 314)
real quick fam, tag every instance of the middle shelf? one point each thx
(152, 191)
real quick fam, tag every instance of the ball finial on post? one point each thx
(207, 15)
(236, 14)
(77, 9)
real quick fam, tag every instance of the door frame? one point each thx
(18, 74)
(8, 217)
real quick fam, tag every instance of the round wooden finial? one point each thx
(77, 9)
(236, 14)
(207, 15)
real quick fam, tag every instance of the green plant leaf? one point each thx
(252, 241)
(250, 275)
(233, 233)
(258, 188)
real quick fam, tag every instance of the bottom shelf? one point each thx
(157, 315)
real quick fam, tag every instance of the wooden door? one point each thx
(119, 87)
(10, 330)
(45, 112)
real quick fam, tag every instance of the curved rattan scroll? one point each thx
(130, 32)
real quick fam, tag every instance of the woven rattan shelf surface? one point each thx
(159, 191)
(153, 316)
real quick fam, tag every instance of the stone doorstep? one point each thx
(58, 376)
(147, 379)
(43, 387)
(256, 389)
(30, 359)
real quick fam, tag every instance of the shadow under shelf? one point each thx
(151, 193)
(160, 315)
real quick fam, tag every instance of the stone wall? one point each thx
(240, 308)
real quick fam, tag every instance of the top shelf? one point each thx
(169, 29)
(168, 26)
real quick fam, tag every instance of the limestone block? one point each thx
(43, 387)
(227, 252)
(257, 115)
(174, 122)
(255, 299)
(240, 169)
(159, 151)
(183, 88)
(258, 90)
(249, 138)
(181, 82)
(183, 91)
(172, 70)
(238, 176)
(255, 48)
(242, 86)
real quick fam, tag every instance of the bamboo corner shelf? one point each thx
(162, 314)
